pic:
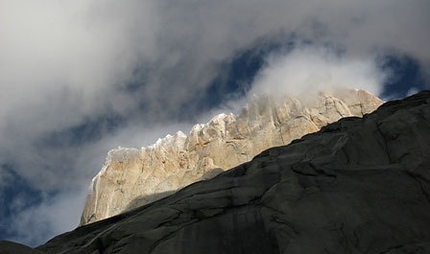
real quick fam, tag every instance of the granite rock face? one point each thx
(134, 177)
(7, 247)
(360, 185)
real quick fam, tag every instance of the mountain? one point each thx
(359, 185)
(134, 177)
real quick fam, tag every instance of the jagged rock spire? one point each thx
(133, 177)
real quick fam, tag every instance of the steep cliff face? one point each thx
(360, 185)
(134, 177)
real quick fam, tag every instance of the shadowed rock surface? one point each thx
(134, 177)
(360, 185)
(7, 247)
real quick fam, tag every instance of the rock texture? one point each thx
(134, 177)
(7, 247)
(360, 185)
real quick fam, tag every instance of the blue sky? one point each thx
(80, 78)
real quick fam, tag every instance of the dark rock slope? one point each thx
(360, 185)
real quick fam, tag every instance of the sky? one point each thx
(81, 77)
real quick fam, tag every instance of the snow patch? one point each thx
(197, 128)
(121, 154)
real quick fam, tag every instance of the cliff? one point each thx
(360, 185)
(134, 177)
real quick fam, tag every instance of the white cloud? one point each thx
(308, 70)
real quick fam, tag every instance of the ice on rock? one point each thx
(224, 142)
(121, 154)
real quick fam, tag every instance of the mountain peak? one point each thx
(133, 177)
(359, 185)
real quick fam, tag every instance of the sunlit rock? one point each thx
(359, 185)
(134, 177)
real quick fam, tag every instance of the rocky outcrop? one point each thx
(7, 247)
(134, 177)
(360, 185)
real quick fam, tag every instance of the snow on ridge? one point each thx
(121, 154)
(177, 140)
(197, 127)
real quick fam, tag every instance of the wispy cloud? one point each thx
(309, 69)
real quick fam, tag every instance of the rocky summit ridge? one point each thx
(133, 177)
(359, 185)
